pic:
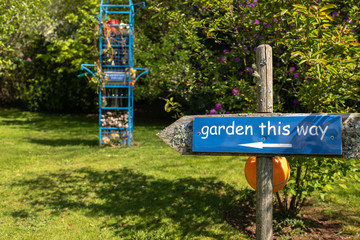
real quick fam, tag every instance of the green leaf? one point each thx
(297, 53)
(284, 11)
(320, 60)
(327, 7)
(343, 186)
(299, 6)
(331, 69)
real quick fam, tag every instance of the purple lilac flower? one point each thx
(275, 19)
(28, 59)
(251, 5)
(268, 26)
(296, 74)
(212, 112)
(255, 35)
(254, 49)
(257, 21)
(222, 59)
(280, 51)
(319, 1)
(250, 69)
(237, 59)
(21, 54)
(335, 14)
(292, 69)
(218, 106)
(296, 101)
(239, 5)
(226, 51)
(227, 112)
(235, 92)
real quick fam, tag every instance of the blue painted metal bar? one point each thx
(145, 71)
(100, 111)
(113, 128)
(84, 67)
(116, 5)
(117, 12)
(113, 45)
(116, 108)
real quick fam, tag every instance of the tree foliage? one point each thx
(314, 43)
(43, 44)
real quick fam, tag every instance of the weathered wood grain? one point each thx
(179, 134)
(265, 79)
(264, 166)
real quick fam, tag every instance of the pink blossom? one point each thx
(235, 92)
(250, 69)
(212, 112)
(218, 106)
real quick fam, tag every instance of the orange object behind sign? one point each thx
(281, 172)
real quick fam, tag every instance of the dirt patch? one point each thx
(312, 225)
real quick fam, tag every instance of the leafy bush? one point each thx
(213, 49)
(316, 62)
(42, 54)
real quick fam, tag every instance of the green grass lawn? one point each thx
(57, 183)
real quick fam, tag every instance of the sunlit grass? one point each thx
(57, 183)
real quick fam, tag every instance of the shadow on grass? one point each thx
(64, 142)
(71, 129)
(48, 121)
(137, 202)
(57, 121)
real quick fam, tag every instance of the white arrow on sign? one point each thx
(262, 145)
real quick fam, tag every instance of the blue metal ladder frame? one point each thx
(105, 9)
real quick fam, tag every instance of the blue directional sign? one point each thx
(312, 134)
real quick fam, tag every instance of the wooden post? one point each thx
(264, 168)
